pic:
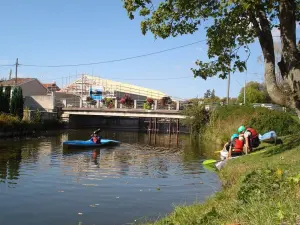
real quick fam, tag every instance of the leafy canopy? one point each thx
(231, 29)
(255, 93)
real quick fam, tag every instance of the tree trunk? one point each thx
(290, 63)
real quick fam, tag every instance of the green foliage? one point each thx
(17, 102)
(255, 93)
(196, 118)
(222, 122)
(233, 26)
(2, 99)
(6, 99)
(12, 123)
(265, 120)
(37, 116)
(148, 104)
(108, 102)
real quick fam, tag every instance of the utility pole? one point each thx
(10, 73)
(16, 78)
(228, 84)
(245, 86)
(81, 100)
(245, 93)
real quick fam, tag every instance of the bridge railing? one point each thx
(138, 104)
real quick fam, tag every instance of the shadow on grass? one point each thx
(288, 144)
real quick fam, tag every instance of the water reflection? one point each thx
(40, 175)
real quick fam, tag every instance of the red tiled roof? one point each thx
(51, 86)
(20, 81)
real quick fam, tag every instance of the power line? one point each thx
(115, 60)
(119, 78)
(110, 61)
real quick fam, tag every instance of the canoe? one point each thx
(90, 143)
(269, 137)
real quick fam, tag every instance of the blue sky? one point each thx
(72, 32)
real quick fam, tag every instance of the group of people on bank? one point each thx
(242, 142)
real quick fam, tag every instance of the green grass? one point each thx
(261, 188)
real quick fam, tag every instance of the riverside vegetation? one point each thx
(259, 188)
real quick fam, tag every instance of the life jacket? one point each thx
(95, 139)
(237, 145)
(253, 132)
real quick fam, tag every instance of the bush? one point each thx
(127, 101)
(266, 120)
(224, 121)
(148, 104)
(13, 123)
(108, 102)
(17, 102)
(197, 118)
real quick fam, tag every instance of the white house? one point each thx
(30, 86)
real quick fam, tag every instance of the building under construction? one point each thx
(108, 88)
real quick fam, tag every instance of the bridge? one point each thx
(132, 113)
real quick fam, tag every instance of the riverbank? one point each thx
(260, 188)
(11, 126)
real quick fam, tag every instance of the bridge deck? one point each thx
(176, 114)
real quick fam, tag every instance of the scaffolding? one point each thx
(113, 89)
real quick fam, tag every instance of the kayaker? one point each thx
(251, 137)
(95, 137)
(235, 146)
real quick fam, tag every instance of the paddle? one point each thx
(209, 161)
(97, 131)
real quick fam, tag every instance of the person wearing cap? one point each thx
(251, 137)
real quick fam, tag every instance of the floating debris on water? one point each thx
(93, 206)
(158, 188)
(80, 213)
(60, 191)
(117, 197)
(97, 204)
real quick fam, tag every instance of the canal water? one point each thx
(142, 179)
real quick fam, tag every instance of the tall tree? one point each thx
(213, 94)
(17, 102)
(207, 94)
(6, 100)
(255, 93)
(235, 24)
(2, 99)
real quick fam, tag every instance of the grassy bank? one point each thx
(260, 188)
(12, 125)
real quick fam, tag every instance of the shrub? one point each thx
(148, 104)
(224, 121)
(108, 102)
(127, 101)
(17, 102)
(165, 101)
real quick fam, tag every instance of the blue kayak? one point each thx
(90, 143)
